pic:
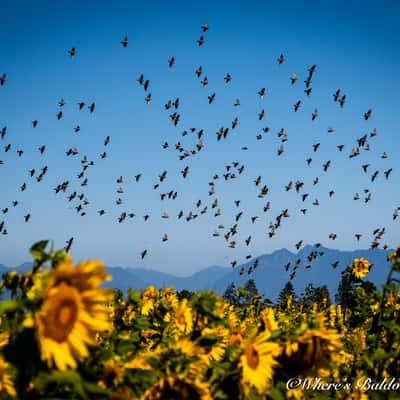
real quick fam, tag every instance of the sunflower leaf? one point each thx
(62, 379)
(94, 389)
(38, 251)
(9, 305)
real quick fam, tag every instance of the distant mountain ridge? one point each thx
(270, 275)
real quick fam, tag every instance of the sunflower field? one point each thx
(63, 335)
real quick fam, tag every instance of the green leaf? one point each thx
(135, 337)
(380, 354)
(38, 250)
(69, 378)
(275, 394)
(125, 347)
(9, 305)
(133, 296)
(141, 323)
(93, 388)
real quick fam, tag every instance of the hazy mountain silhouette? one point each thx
(270, 275)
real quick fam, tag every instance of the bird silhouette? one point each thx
(124, 41)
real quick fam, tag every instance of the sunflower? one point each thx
(170, 296)
(4, 336)
(183, 317)
(37, 283)
(268, 319)
(129, 315)
(6, 384)
(112, 373)
(360, 267)
(149, 296)
(258, 361)
(72, 312)
(213, 343)
(237, 329)
(392, 256)
(139, 362)
(393, 301)
(332, 316)
(312, 349)
(179, 387)
(295, 394)
(185, 346)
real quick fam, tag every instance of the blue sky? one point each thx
(354, 45)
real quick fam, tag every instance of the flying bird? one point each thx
(204, 27)
(124, 41)
(72, 52)
(3, 79)
(368, 114)
(143, 254)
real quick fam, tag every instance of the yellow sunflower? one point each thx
(360, 267)
(129, 314)
(112, 373)
(143, 359)
(237, 329)
(393, 300)
(38, 283)
(258, 362)
(72, 312)
(4, 336)
(178, 387)
(313, 348)
(268, 319)
(149, 296)
(183, 317)
(217, 350)
(139, 362)
(6, 383)
(170, 296)
(392, 256)
(295, 394)
(186, 346)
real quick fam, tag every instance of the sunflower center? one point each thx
(176, 388)
(181, 319)
(67, 313)
(62, 313)
(253, 359)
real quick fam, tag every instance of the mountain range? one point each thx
(270, 275)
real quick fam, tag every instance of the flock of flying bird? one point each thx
(231, 171)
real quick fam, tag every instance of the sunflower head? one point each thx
(169, 295)
(360, 267)
(149, 297)
(311, 350)
(72, 312)
(258, 361)
(11, 280)
(112, 373)
(183, 317)
(6, 383)
(268, 319)
(392, 256)
(84, 276)
(172, 388)
(36, 285)
(213, 343)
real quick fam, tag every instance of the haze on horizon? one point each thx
(354, 46)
